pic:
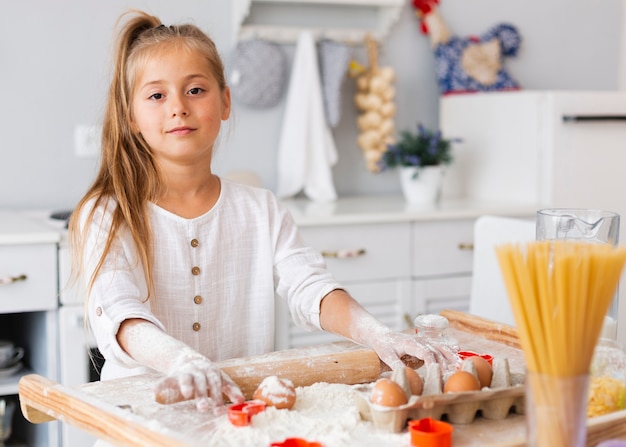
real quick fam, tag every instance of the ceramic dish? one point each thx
(10, 370)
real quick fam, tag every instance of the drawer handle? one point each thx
(11, 279)
(466, 246)
(348, 253)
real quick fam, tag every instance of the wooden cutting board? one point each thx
(124, 411)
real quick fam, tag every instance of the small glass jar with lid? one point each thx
(430, 328)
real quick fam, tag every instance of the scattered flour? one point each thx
(325, 413)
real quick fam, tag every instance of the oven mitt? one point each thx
(258, 73)
(334, 60)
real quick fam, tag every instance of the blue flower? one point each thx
(426, 148)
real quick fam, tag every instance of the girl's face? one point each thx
(177, 106)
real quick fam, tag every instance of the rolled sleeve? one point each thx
(113, 300)
(119, 292)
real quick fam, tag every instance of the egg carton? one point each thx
(504, 394)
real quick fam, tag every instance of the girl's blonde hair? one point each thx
(128, 173)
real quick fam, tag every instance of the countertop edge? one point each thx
(18, 228)
(393, 209)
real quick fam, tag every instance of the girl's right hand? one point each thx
(193, 376)
(189, 374)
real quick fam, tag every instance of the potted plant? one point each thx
(421, 158)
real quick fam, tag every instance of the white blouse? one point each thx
(216, 277)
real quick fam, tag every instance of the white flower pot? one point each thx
(423, 188)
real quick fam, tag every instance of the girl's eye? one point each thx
(156, 96)
(196, 91)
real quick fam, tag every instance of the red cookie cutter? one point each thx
(467, 354)
(429, 432)
(240, 414)
(295, 442)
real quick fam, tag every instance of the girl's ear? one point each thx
(226, 103)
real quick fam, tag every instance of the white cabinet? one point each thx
(32, 268)
(554, 148)
(396, 260)
(362, 252)
(28, 303)
(371, 261)
(442, 265)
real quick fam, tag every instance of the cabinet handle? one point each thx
(11, 279)
(466, 246)
(348, 253)
(575, 118)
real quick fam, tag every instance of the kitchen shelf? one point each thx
(282, 21)
(9, 385)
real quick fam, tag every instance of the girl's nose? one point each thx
(179, 108)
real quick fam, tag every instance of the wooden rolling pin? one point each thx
(491, 330)
(341, 362)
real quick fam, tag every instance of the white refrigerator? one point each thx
(555, 148)
(564, 149)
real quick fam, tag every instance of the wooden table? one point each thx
(124, 411)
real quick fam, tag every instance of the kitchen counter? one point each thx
(385, 209)
(16, 228)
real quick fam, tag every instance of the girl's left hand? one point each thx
(391, 346)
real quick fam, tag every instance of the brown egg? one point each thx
(415, 381)
(276, 392)
(388, 393)
(461, 381)
(483, 369)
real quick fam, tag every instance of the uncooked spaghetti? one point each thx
(560, 292)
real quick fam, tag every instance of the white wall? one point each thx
(622, 53)
(55, 61)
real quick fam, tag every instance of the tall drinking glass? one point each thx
(595, 226)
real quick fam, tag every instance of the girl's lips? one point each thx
(181, 130)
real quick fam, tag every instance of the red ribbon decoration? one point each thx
(423, 8)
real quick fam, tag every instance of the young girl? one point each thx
(182, 266)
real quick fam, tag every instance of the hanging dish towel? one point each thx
(334, 62)
(306, 152)
(258, 73)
